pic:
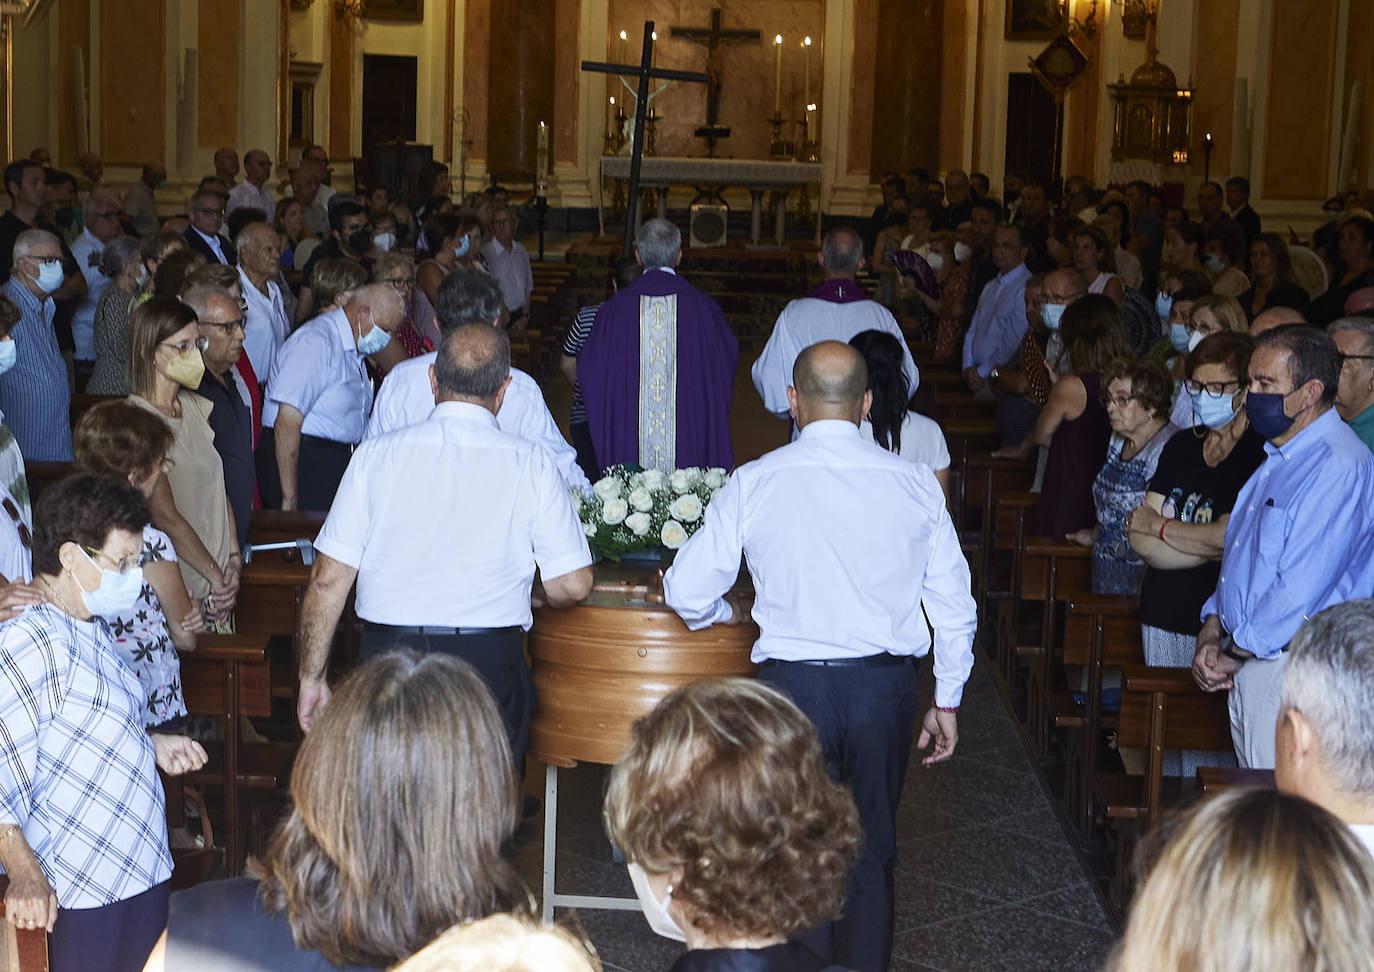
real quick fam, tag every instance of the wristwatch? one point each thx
(994, 373)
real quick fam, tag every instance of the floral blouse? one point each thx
(141, 636)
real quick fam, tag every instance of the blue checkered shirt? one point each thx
(34, 395)
(77, 770)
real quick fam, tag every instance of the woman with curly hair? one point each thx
(735, 835)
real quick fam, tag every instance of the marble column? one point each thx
(340, 141)
(906, 98)
(521, 85)
(217, 87)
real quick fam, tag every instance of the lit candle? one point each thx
(623, 38)
(653, 60)
(806, 84)
(542, 166)
(777, 75)
(610, 113)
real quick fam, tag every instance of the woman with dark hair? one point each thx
(1356, 249)
(735, 835)
(1271, 278)
(432, 184)
(1224, 255)
(1092, 257)
(1137, 395)
(83, 830)
(891, 423)
(169, 280)
(121, 261)
(1183, 243)
(444, 243)
(1179, 528)
(1073, 425)
(402, 796)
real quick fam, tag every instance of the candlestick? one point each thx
(806, 84)
(777, 74)
(610, 112)
(542, 165)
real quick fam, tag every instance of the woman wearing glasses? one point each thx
(1179, 529)
(189, 501)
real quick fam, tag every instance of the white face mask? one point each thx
(384, 241)
(962, 251)
(1194, 339)
(655, 911)
(935, 261)
(115, 593)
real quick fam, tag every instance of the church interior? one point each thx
(759, 129)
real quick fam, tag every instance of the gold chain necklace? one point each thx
(58, 599)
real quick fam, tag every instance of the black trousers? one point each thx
(117, 937)
(320, 466)
(581, 434)
(499, 658)
(865, 717)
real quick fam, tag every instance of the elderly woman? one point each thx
(403, 793)
(188, 501)
(736, 837)
(129, 445)
(890, 422)
(1136, 397)
(1209, 314)
(1179, 529)
(122, 262)
(83, 831)
(1245, 853)
(418, 333)
(1271, 278)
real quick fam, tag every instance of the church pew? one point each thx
(21, 950)
(984, 480)
(81, 402)
(1051, 572)
(965, 437)
(41, 475)
(276, 526)
(1215, 779)
(1011, 516)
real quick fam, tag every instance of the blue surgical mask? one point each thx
(461, 250)
(1213, 410)
(1164, 305)
(1266, 414)
(1212, 262)
(50, 276)
(116, 592)
(374, 340)
(1052, 314)
(1178, 337)
(9, 354)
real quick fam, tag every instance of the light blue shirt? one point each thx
(34, 395)
(87, 250)
(1299, 538)
(320, 373)
(999, 322)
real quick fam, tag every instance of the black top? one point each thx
(1193, 492)
(1248, 221)
(788, 957)
(1284, 295)
(329, 250)
(232, 422)
(1331, 304)
(1077, 452)
(220, 927)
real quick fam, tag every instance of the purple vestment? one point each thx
(608, 371)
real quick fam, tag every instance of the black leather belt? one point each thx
(429, 629)
(863, 661)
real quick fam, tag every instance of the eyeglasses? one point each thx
(211, 212)
(402, 283)
(200, 344)
(123, 566)
(227, 326)
(1210, 387)
(1356, 357)
(109, 215)
(1120, 401)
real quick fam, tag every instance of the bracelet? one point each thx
(942, 708)
(1162, 525)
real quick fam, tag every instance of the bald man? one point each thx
(266, 324)
(252, 192)
(1274, 317)
(846, 544)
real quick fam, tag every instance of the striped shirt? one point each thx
(77, 770)
(572, 347)
(34, 395)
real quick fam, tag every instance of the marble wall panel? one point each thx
(132, 81)
(1214, 85)
(73, 31)
(567, 66)
(340, 140)
(906, 116)
(476, 70)
(862, 85)
(1298, 109)
(522, 51)
(217, 84)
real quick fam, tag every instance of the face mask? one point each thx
(187, 368)
(9, 354)
(1164, 305)
(962, 251)
(1194, 339)
(374, 340)
(655, 911)
(65, 217)
(115, 593)
(936, 262)
(1266, 414)
(384, 241)
(1213, 411)
(1052, 314)
(461, 250)
(1212, 262)
(50, 276)
(359, 241)
(141, 277)
(1178, 337)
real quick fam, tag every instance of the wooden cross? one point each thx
(711, 38)
(644, 71)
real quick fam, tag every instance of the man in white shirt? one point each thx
(317, 401)
(102, 225)
(506, 514)
(265, 325)
(846, 544)
(835, 311)
(1324, 740)
(252, 192)
(470, 296)
(509, 263)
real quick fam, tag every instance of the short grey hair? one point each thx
(1329, 678)
(119, 254)
(29, 240)
(473, 361)
(198, 298)
(1364, 325)
(658, 242)
(842, 250)
(468, 295)
(97, 194)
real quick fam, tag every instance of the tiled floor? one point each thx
(986, 879)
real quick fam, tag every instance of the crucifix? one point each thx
(644, 71)
(711, 38)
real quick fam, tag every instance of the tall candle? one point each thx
(623, 38)
(653, 61)
(806, 44)
(542, 166)
(777, 75)
(610, 113)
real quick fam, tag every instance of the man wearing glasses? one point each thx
(265, 325)
(102, 225)
(207, 216)
(1354, 337)
(510, 265)
(35, 398)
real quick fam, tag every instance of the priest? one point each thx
(658, 369)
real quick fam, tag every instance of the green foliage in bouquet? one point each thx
(633, 510)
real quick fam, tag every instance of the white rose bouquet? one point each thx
(645, 511)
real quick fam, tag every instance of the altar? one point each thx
(709, 176)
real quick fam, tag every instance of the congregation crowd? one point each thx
(1198, 393)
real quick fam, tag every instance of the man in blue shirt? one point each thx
(1299, 538)
(1000, 320)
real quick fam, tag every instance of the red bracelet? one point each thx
(942, 708)
(1162, 525)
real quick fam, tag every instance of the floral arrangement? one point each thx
(633, 510)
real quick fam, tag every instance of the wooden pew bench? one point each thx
(21, 950)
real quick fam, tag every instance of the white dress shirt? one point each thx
(87, 250)
(245, 195)
(506, 511)
(846, 544)
(320, 373)
(407, 398)
(511, 268)
(265, 326)
(807, 321)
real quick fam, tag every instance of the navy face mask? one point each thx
(1266, 414)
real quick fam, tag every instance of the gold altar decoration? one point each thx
(1153, 112)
